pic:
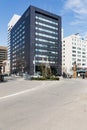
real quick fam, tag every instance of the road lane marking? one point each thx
(22, 92)
(26, 91)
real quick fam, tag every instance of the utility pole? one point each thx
(34, 65)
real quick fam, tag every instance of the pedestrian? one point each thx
(83, 76)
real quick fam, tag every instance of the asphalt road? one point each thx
(43, 105)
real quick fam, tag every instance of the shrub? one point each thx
(54, 78)
(45, 78)
(38, 78)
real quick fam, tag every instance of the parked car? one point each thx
(1, 77)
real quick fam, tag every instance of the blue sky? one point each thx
(73, 13)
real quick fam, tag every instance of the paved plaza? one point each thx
(43, 105)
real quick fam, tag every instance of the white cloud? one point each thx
(76, 22)
(79, 8)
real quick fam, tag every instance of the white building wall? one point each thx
(75, 51)
(66, 55)
(6, 67)
(13, 20)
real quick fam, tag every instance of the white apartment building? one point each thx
(74, 50)
(12, 22)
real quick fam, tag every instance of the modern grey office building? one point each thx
(36, 40)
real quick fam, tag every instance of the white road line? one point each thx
(22, 92)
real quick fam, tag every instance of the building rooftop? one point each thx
(3, 47)
(13, 20)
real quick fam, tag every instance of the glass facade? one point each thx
(46, 35)
(18, 45)
(37, 35)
